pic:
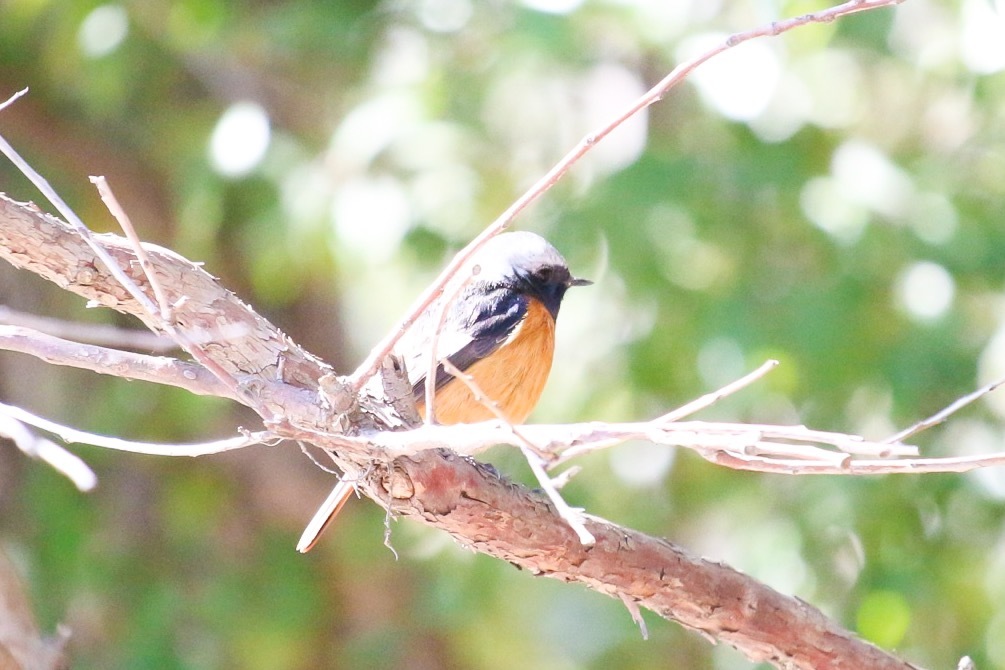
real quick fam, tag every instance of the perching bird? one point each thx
(499, 329)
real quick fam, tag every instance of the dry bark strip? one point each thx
(467, 499)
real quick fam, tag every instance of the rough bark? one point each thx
(467, 499)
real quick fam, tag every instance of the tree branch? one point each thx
(127, 365)
(92, 333)
(71, 435)
(277, 376)
(298, 396)
(438, 487)
(651, 97)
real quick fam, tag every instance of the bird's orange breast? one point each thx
(513, 376)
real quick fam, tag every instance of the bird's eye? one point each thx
(545, 274)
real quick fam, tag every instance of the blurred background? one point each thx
(832, 198)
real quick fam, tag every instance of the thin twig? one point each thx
(491, 405)
(72, 435)
(912, 466)
(164, 370)
(652, 96)
(71, 217)
(636, 614)
(569, 441)
(112, 203)
(61, 460)
(714, 397)
(944, 414)
(11, 100)
(434, 341)
(113, 267)
(91, 333)
(326, 513)
(313, 459)
(369, 366)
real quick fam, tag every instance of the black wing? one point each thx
(485, 320)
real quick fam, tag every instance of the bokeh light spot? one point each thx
(553, 6)
(640, 463)
(444, 16)
(103, 30)
(868, 176)
(371, 216)
(982, 42)
(740, 82)
(240, 139)
(830, 210)
(925, 291)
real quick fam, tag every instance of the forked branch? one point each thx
(412, 474)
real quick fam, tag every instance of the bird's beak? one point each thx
(579, 281)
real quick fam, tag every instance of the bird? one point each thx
(498, 329)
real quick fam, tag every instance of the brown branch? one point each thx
(471, 501)
(496, 517)
(277, 376)
(534, 456)
(22, 644)
(436, 486)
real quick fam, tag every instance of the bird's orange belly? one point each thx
(513, 377)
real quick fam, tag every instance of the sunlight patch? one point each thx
(240, 139)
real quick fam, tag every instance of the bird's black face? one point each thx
(548, 283)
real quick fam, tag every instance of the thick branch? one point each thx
(438, 487)
(268, 366)
(501, 519)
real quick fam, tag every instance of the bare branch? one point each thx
(651, 97)
(326, 513)
(78, 226)
(92, 333)
(117, 270)
(11, 100)
(434, 358)
(127, 365)
(78, 436)
(636, 614)
(452, 492)
(269, 373)
(22, 644)
(531, 453)
(739, 461)
(107, 197)
(61, 460)
(277, 378)
(944, 414)
(711, 398)
(493, 516)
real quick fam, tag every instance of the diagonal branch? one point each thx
(649, 98)
(278, 375)
(471, 501)
(438, 487)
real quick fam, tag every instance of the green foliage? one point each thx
(849, 225)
